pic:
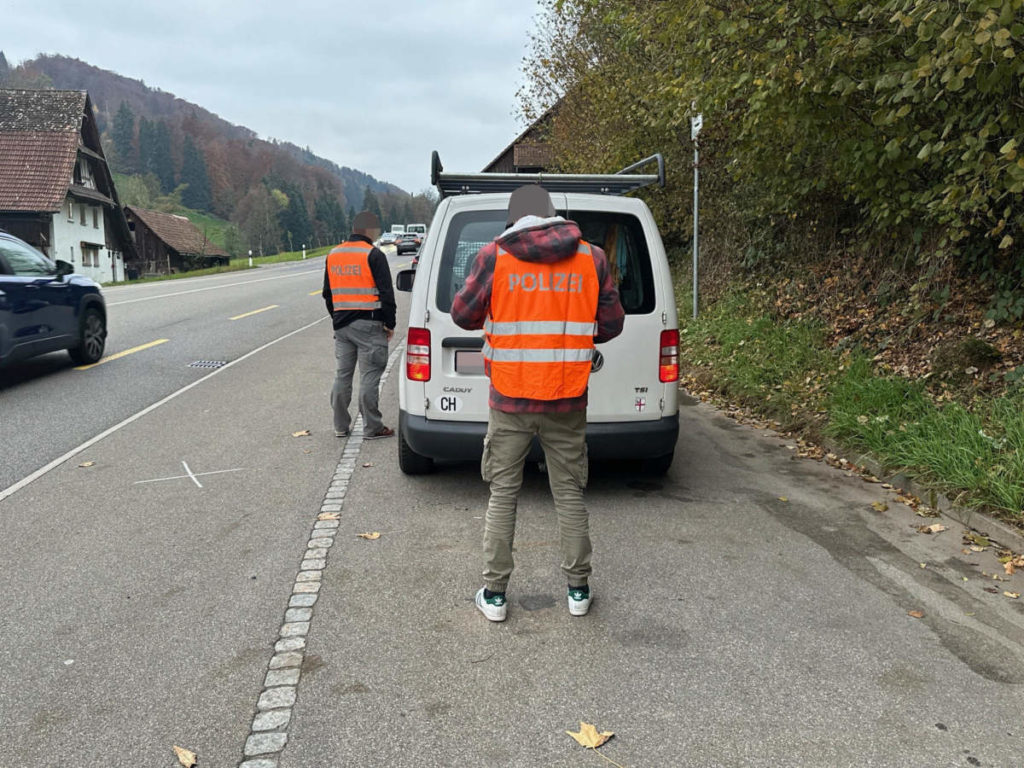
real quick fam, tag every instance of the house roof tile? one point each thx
(177, 232)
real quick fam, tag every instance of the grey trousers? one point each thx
(563, 438)
(366, 342)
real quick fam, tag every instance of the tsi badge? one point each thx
(449, 403)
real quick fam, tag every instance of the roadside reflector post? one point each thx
(696, 123)
(303, 250)
(250, 257)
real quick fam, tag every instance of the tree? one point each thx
(5, 69)
(123, 135)
(161, 159)
(193, 173)
(294, 218)
(256, 217)
(371, 203)
(147, 146)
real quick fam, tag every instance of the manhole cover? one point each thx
(207, 364)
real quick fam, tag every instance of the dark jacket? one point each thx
(549, 241)
(382, 277)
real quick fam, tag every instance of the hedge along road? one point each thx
(155, 332)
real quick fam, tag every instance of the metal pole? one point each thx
(696, 192)
(696, 123)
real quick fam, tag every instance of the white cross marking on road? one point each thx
(193, 476)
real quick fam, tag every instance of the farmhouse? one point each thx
(56, 191)
(168, 243)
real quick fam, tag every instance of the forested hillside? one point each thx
(171, 154)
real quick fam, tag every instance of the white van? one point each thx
(633, 411)
(417, 229)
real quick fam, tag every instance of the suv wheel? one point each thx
(92, 338)
(410, 462)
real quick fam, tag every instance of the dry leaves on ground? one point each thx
(87, 464)
(301, 433)
(186, 758)
(371, 536)
(879, 506)
(328, 516)
(1013, 595)
(936, 528)
(916, 614)
(589, 737)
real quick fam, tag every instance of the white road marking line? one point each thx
(184, 477)
(148, 409)
(213, 287)
(194, 479)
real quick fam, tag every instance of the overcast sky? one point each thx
(373, 85)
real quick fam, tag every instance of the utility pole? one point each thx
(696, 123)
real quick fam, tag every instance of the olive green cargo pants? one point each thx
(563, 438)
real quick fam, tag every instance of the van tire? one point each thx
(657, 466)
(410, 462)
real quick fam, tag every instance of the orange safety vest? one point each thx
(350, 278)
(541, 326)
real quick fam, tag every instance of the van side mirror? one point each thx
(63, 269)
(404, 279)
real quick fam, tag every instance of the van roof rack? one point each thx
(619, 183)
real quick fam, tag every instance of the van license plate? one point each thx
(469, 362)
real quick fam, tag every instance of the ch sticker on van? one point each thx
(449, 403)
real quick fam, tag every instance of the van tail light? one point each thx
(417, 355)
(668, 360)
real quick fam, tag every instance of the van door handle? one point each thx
(462, 342)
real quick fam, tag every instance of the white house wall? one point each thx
(67, 238)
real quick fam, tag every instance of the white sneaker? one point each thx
(579, 601)
(493, 608)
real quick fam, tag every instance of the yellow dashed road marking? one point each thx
(125, 353)
(254, 312)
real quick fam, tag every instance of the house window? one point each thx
(71, 211)
(81, 215)
(95, 218)
(90, 256)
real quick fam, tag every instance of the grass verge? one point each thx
(785, 370)
(236, 265)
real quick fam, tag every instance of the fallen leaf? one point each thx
(879, 506)
(936, 528)
(887, 486)
(87, 464)
(589, 737)
(783, 498)
(370, 536)
(186, 758)
(301, 433)
(976, 548)
(1013, 595)
(916, 614)
(1009, 568)
(328, 516)
(977, 539)
(368, 464)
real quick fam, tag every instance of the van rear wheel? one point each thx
(410, 462)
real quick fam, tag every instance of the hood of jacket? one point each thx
(533, 238)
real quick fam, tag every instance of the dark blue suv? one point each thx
(44, 307)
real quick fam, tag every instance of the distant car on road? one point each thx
(388, 238)
(45, 307)
(409, 243)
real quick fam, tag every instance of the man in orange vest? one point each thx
(543, 296)
(361, 302)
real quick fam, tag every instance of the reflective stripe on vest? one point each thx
(350, 279)
(540, 332)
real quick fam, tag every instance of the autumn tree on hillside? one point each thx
(123, 136)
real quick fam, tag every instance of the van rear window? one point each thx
(620, 235)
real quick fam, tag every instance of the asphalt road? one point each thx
(148, 592)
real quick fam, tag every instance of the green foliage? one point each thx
(875, 119)
(193, 174)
